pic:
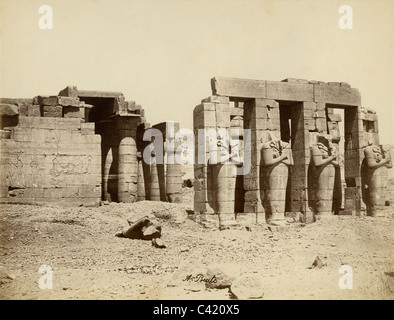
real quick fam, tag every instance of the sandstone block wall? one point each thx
(296, 111)
(48, 154)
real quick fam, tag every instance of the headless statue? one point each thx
(323, 162)
(276, 157)
(377, 161)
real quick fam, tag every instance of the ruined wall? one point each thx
(212, 113)
(80, 147)
(298, 115)
(49, 154)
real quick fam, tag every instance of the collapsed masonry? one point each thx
(298, 165)
(78, 148)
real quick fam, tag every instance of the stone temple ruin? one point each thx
(82, 147)
(78, 148)
(297, 167)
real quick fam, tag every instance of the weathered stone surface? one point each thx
(204, 118)
(68, 101)
(150, 233)
(158, 243)
(51, 111)
(317, 263)
(341, 95)
(224, 274)
(5, 134)
(16, 101)
(135, 230)
(242, 88)
(5, 276)
(8, 110)
(48, 100)
(69, 91)
(98, 94)
(30, 110)
(294, 80)
(216, 99)
(71, 112)
(247, 286)
(289, 91)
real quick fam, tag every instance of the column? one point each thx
(127, 162)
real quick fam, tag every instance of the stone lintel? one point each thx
(340, 95)
(286, 90)
(98, 94)
(241, 88)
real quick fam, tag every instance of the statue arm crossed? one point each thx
(272, 156)
(374, 157)
(319, 158)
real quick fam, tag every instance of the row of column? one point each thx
(125, 175)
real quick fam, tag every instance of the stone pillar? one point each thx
(211, 114)
(260, 115)
(107, 177)
(154, 183)
(174, 172)
(333, 127)
(140, 179)
(127, 162)
(307, 118)
(109, 155)
(354, 155)
(174, 183)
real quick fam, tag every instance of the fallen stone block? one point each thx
(150, 233)
(135, 230)
(247, 286)
(318, 263)
(158, 243)
(224, 274)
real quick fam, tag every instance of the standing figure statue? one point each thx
(276, 157)
(377, 161)
(323, 163)
(222, 176)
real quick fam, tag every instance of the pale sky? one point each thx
(163, 53)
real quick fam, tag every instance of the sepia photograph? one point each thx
(199, 150)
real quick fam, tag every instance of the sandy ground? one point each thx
(89, 262)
